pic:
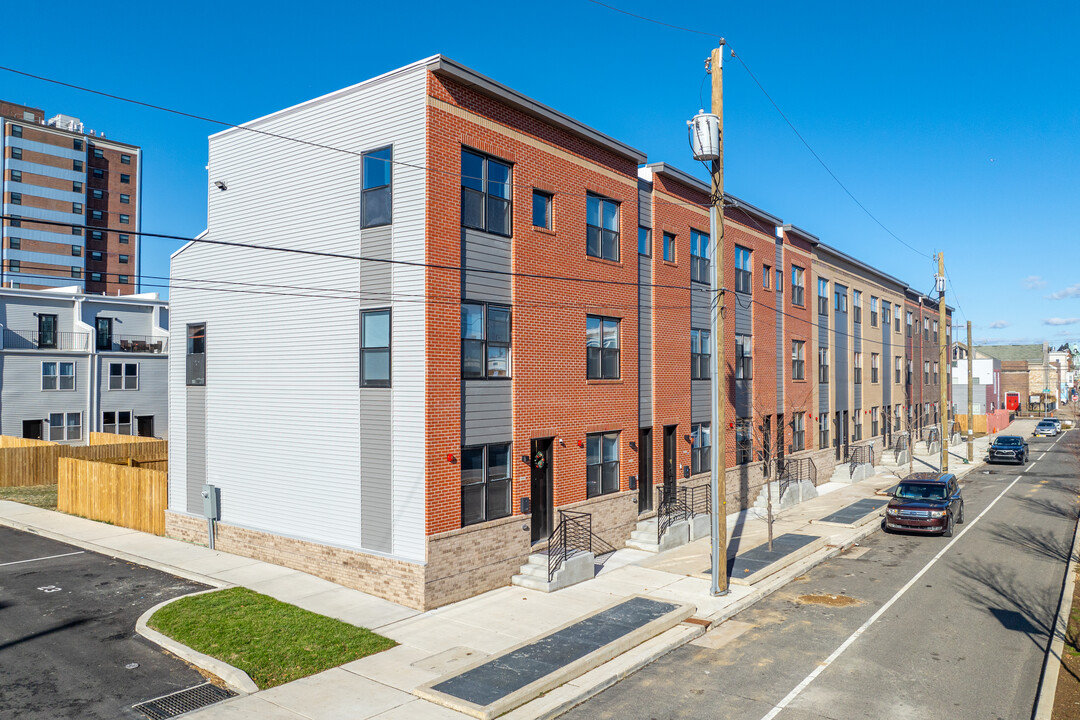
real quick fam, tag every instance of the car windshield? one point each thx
(1008, 441)
(920, 491)
(1046, 424)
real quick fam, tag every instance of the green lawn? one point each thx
(273, 642)
(42, 496)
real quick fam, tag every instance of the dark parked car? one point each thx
(1009, 448)
(926, 502)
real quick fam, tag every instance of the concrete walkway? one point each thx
(436, 642)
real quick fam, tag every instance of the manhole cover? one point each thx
(178, 703)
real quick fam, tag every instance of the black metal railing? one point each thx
(139, 343)
(859, 455)
(796, 470)
(900, 443)
(931, 437)
(573, 534)
(672, 509)
(698, 499)
(36, 340)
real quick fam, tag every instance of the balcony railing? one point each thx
(139, 344)
(37, 340)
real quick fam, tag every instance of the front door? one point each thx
(847, 436)
(670, 459)
(645, 491)
(779, 445)
(32, 429)
(836, 434)
(541, 500)
(104, 333)
(766, 448)
(145, 425)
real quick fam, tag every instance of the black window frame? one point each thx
(857, 368)
(669, 247)
(125, 199)
(16, 175)
(798, 359)
(125, 178)
(15, 198)
(99, 154)
(798, 432)
(365, 350)
(76, 186)
(77, 165)
(125, 159)
(125, 219)
(548, 201)
(76, 272)
(886, 315)
(875, 425)
(856, 425)
(644, 241)
(700, 354)
(123, 279)
(601, 353)
(898, 369)
(487, 485)
(14, 243)
(103, 333)
(117, 423)
(744, 441)
(16, 154)
(484, 343)
(76, 144)
(483, 193)
(700, 264)
(700, 450)
(97, 215)
(823, 431)
(124, 259)
(97, 256)
(368, 193)
(744, 276)
(823, 365)
(98, 173)
(124, 239)
(798, 286)
(840, 298)
(744, 357)
(875, 367)
(600, 472)
(607, 241)
(77, 208)
(195, 354)
(14, 265)
(97, 194)
(766, 277)
(16, 131)
(96, 277)
(856, 305)
(823, 296)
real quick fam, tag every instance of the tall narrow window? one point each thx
(644, 241)
(744, 361)
(926, 372)
(822, 296)
(485, 483)
(601, 464)
(541, 209)
(485, 341)
(375, 200)
(909, 324)
(875, 427)
(798, 359)
(858, 368)
(856, 425)
(798, 287)
(856, 305)
(669, 247)
(873, 311)
(886, 314)
(744, 278)
(823, 365)
(601, 227)
(840, 296)
(47, 334)
(196, 354)
(823, 431)
(700, 351)
(875, 360)
(699, 255)
(485, 193)
(897, 366)
(375, 348)
(766, 276)
(601, 348)
(779, 280)
(798, 432)
(700, 448)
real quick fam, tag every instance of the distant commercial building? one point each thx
(72, 364)
(73, 203)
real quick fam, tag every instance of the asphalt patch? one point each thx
(855, 511)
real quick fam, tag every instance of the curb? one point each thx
(235, 678)
(118, 554)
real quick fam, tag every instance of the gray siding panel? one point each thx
(376, 278)
(700, 310)
(196, 448)
(840, 358)
(888, 366)
(744, 325)
(488, 412)
(856, 339)
(645, 342)
(484, 251)
(21, 396)
(700, 407)
(823, 342)
(644, 203)
(150, 399)
(783, 354)
(376, 484)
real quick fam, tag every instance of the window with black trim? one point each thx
(886, 314)
(669, 247)
(124, 239)
(99, 153)
(601, 227)
(375, 199)
(700, 448)
(16, 175)
(936, 376)
(839, 298)
(76, 165)
(926, 372)
(856, 306)
(898, 369)
(700, 352)
(699, 256)
(875, 426)
(375, 348)
(47, 331)
(16, 198)
(823, 432)
(485, 193)
(798, 432)
(103, 327)
(798, 286)
(57, 376)
(823, 365)
(485, 483)
(822, 296)
(65, 426)
(16, 154)
(123, 279)
(16, 131)
(779, 280)
(76, 272)
(644, 241)
(196, 354)
(97, 256)
(744, 278)
(97, 215)
(875, 360)
(601, 463)
(15, 243)
(926, 329)
(15, 265)
(858, 369)
(77, 144)
(766, 276)
(601, 348)
(123, 376)
(909, 324)
(116, 422)
(856, 425)
(125, 219)
(125, 178)
(935, 331)
(485, 341)
(744, 441)
(125, 199)
(798, 359)
(541, 209)
(77, 208)
(98, 173)
(97, 194)
(744, 361)
(124, 259)
(76, 186)
(97, 235)
(125, 159)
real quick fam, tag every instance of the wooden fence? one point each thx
(37, 464)
(97, 438)
(992, 422)
(126, 496)
(8, 441)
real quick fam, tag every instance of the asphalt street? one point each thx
(68, 647)
(904, 626)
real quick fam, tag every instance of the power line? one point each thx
(657, 22)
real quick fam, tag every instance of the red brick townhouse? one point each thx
(459, 313)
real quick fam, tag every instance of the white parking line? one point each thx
(47, 557)
(874, 618)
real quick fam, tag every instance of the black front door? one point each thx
(145, 425)
(46, 331)
(541, 500)
(645, 491)
(104, 333)
(847, 436)
(31, 429)
(836, 434)
(670, 460)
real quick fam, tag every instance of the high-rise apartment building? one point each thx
(71, 203)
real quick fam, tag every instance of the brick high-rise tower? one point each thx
(54, 171)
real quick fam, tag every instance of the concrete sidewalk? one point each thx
(434, 643)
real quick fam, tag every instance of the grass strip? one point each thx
(42, 496)
(273, 642)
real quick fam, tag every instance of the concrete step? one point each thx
(650, 547)
(643, 535)
(533, 570)
(532, 583)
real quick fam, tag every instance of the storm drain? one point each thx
(184, 701)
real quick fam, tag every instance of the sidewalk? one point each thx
(433, 643)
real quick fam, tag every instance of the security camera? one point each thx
(220, 185)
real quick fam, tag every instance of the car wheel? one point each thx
(948, 531)
(960, 519)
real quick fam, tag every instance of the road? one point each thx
(902, 627)
(68, 647)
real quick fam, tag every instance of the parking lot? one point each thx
(68, 646)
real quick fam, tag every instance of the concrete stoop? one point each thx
(891, 457)
(576, 568)
(844, 474)
(792, 496)
(644, 537)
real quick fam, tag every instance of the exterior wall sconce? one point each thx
(525, 459)
(633, 446)
(580, 443)
(450, 457)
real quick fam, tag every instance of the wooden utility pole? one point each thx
(971, 402)
(717, 362)
(943, 413)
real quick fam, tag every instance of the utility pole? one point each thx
(971, 402)
(718, 365)
(943, 353)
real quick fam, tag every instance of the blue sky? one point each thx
(958, 126)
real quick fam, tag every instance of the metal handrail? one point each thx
(796, 470)
(573, 534)
(37, 340)
(900, 442)
(671, 510)
(698, 499)
(859, 455)
(931, 436)
(139, 343)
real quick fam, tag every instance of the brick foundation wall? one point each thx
(475, 559)
(390, 579)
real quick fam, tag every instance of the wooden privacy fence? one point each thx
(8, 441)
(37, 464)
(992, 422)
(126, 496)
(97, 438)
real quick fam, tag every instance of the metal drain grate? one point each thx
(184, 701)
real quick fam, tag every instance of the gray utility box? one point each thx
(211, 502)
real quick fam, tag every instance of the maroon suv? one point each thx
(926, 502)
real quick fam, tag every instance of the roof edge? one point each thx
(682, 176)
